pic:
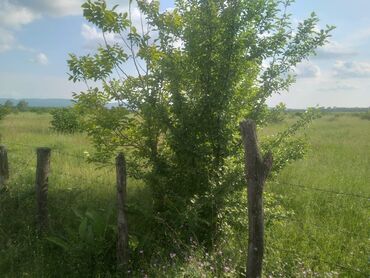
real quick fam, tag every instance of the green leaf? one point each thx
(59, 242)
(82, 230)
(77, 213)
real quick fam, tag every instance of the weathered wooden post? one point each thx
(256, 172)
(122, 240)
(4, 167)
(42, 183)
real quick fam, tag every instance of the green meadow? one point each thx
(318, 223)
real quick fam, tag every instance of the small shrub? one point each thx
(4, 111)
(22, 106)
(91, 248)
(277, 114)
(366, 116)
(65, 120)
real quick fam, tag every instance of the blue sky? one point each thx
(37, 35)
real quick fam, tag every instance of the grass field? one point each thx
(325, 232)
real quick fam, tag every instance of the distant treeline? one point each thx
(335, 109)
(22, 106)
(39, 103)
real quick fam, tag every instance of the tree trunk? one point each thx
(122, 240)
(42, 183)
(256, 172)
(4, 167)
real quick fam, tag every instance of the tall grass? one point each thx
(309, 233)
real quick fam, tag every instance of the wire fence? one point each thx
(54, 150)
(317, 259)
(81, 176)
(323, 190)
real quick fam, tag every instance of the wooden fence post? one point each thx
(4, 167)
(42, 183)
(256, 172)
(122, 240)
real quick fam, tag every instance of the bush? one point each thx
(186, 109)
(65, 120)
(366, 116)
(22, 106)
(92, 247)
(4, 111)
(277, 114)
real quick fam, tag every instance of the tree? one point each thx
(65, 120)
(8, 103)
(277, 114)
(4, 111)
(22, 105)
(200, 69)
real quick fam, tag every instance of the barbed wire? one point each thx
(344, 267)
(318, 244)
(24, 166)
(325, 190)
(54, 150)
(18, 144)
(325, 228)
(69, 154)
(301, 224)
(81, 176)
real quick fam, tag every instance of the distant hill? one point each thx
(335, 109)
(39, 102)
(60, 102)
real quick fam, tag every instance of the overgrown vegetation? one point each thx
(308, 233)
(4, 111)
(366, 115)
(65, 120)
(200, 70)
(277, 114)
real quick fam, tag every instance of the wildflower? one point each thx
(172, 255)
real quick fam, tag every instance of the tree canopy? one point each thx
(200, 68)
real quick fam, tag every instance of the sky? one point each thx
(36, 37)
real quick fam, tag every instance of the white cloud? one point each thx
(352, 69)
(307, 70)
(16, 13)
(58, 7)
(7, 40)
(334, 50)
(50, 7)
(41, 59)
(339, 87)
(325, 91)
(14, 16)
(94, 37)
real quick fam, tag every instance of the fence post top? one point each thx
(120, 156)
(247, 122)
(43, 150)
